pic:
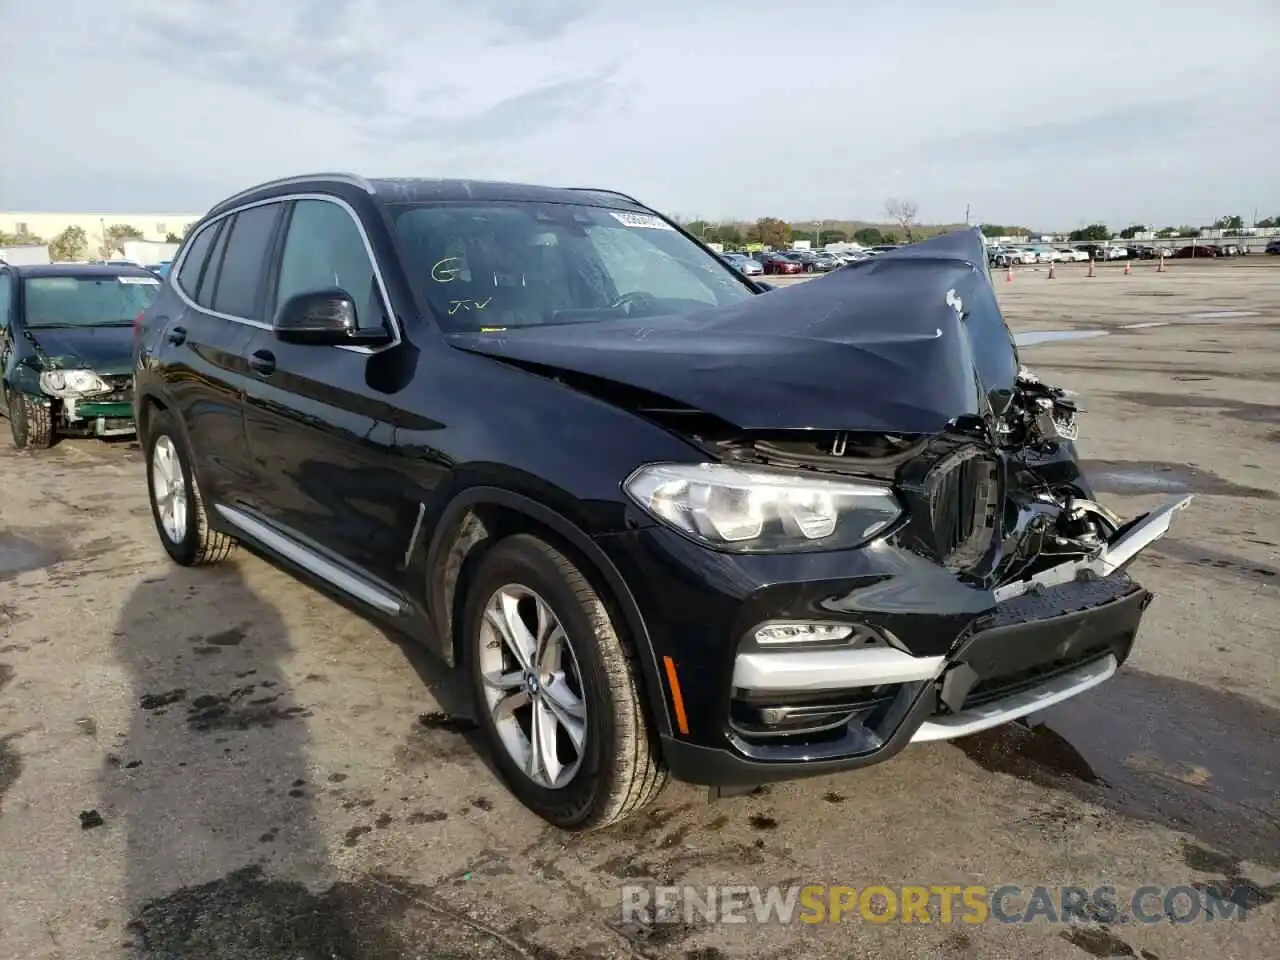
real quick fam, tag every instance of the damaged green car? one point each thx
(66, 349)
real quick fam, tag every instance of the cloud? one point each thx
(1026, 112)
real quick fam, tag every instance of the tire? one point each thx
(186, 536)
(30, 422)
(618, 769)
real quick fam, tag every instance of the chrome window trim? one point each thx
(176, 268)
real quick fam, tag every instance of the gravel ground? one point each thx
(275, 777)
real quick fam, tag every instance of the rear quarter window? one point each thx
(193, 261)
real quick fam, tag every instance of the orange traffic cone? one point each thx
(1128, 268)
(1050, 269)
(1161, 268)
(1008, 276)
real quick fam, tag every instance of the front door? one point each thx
(320, 419)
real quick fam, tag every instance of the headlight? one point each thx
(72, 383)
(759, 511)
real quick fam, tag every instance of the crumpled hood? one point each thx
(903, 343)
(104, 350)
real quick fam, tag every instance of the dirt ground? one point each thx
(278, 778)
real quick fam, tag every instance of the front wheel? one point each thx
(176, 504)
(30, 422)
(556, 689)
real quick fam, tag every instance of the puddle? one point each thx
(248, 914)
(1156, 749)
(1033, 337)
(1224, 314)
(10, 765)
(18, 555)
(1136, 477)
(1242, 410)
(1206, 558)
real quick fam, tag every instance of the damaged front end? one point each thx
(83, 400)
(997, 586)
(1001, 506)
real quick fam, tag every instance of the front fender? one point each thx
(453, 540)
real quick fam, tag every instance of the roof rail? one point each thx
(354, 179)
(616, 193)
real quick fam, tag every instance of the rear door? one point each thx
(321, 419)
(205, 340)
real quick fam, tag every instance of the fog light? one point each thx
(799, 634)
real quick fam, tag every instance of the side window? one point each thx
(6, 298)
(188, 278)
(203, 295)
(245, 261)
(324, 249)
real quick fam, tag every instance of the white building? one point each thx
(46, 226)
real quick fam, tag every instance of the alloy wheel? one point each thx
(532, 686)
(169, 489)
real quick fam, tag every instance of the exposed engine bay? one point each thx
(1019, 470)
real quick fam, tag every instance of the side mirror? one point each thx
(765, 286)
(324, 318)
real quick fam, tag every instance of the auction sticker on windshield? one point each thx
(641, 220)
(149, 281)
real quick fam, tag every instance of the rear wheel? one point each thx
(176, 504)
(30, 422)
(556, 689)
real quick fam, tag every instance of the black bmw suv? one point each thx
(664, 519)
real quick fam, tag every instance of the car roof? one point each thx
(82, 271)
(425, 190)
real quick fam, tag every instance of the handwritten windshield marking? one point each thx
(445, 274)
(468, 305)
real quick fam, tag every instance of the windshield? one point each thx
(86, 301)
(518, 264)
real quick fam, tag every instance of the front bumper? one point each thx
(108, 415)
(939, 660)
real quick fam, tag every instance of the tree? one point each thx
(770, 231)
(71, 244)
(1165, 233)
(1268, 222)
(1229, 223)
(1095, 231)
(726, 233)
(114, 238)
(172, 237)
(22, 238)
(699, 228)
(996, 230)
(1131, 231)
(869, 237)
(1187, 231)
(903, 213)
(832, 236)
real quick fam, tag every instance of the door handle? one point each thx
(177, 335)
(263, 362)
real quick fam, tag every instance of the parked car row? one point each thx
(799, 261)
(1004, 256)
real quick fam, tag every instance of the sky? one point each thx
(1035, 113)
